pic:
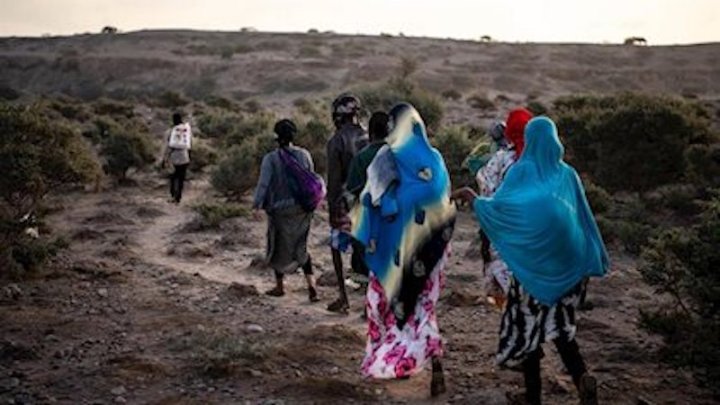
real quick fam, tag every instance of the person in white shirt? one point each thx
(177, 152)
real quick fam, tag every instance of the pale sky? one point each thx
(660, 21)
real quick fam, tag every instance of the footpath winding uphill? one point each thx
(146, 307)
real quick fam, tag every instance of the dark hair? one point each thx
(379, 125)
(285, 131)
(177, 118)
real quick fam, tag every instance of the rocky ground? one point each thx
(146, 308)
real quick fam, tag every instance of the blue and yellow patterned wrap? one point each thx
(404, 216)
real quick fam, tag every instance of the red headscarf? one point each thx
(515, 129)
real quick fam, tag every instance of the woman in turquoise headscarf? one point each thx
(405, 220)
(540, 222)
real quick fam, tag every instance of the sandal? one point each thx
(275, 292)
(339, 306)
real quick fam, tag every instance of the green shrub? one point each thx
(682, 263)
(630, 235)
(704, 164)
(249, 128)
(599, 199)
(237, 172)
(313, 136)
(308, 51)
(113, 108)
(125, 150)
(537, 108)
(252, 107)
(454, 145)
(37, 155)
(202, 88)
(397, 90)
(202, 156)
(70, 110)
(227, 53)
(8, 93)
(630, 142)
(171, 99)
(212, 215)
(221, 102)
(680, 199)
(218, 124)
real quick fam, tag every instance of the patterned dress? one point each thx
(489, 178)
(393, 352)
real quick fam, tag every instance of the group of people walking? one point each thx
(392, 208)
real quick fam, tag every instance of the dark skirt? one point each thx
(287, 235)
(526, 323)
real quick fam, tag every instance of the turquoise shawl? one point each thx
(404, 217)
(540, 221)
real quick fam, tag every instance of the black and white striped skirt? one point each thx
(526, 323)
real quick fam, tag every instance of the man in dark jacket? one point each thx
(348, 140)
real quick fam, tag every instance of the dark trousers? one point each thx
(177, 180)
(571, 358)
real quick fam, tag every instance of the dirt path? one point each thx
(140, 310)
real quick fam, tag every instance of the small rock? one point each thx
(327, 279)
(13, 291)
(458, 397)
(51, 338)
(644, 401)
(118, 391)
(298, 373)
(102, 292)
(254, 328)
(13, 382)
(238, 290)
(334, 370)
(256, 373)
(120, 400)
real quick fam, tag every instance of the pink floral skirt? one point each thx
(398, 353)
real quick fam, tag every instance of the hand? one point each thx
(465, 194)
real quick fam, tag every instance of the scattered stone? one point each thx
(120, 400)
(102, 292)
(238, 290)
(254, 328)
(327, 279)
(644, 401)
(51, 338)
(458, 298)
(256, 373)
(118, 391)
(13, 291)
(334, 370)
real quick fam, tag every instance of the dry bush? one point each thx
(212, 215)
(452, 94)
(480, 102)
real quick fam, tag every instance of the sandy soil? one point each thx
(144, 310)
